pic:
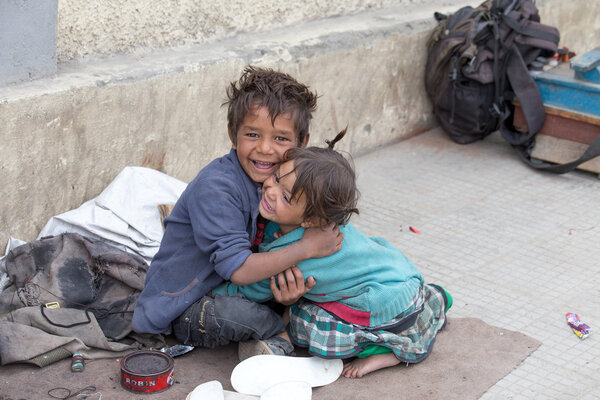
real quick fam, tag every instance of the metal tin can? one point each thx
(147, 371)
(77, 362)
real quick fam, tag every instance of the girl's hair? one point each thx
(280, 93)
(328, 181)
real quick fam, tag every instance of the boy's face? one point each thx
(260, 145)
(277, 204)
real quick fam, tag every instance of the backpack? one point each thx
(477, 65)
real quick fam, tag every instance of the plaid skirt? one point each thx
(326, 336)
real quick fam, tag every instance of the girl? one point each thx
(369, 300)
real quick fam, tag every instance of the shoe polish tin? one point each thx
(147, 371)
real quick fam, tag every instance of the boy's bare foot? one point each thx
(362, 366)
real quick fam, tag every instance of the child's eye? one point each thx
(286, 198)
(282, 139)
(252, 134)
(276, 178)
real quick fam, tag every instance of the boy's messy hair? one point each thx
(279, 92)
(328, 181)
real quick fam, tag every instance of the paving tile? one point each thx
(516, 247)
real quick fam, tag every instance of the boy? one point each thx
(209, 233)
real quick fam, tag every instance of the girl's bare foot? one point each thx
(361, 366)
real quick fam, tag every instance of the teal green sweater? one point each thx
(367, 282)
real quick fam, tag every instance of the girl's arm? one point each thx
(315, 243)
(291, 288)
(258, 291)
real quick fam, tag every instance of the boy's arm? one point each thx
(315, 243)
(219, 223)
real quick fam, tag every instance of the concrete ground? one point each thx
(516, 247)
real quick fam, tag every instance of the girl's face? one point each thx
(277, 204)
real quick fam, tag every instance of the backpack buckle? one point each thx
(52, 305)
(495, 110)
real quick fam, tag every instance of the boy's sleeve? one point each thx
(219, 224)
(258, 292)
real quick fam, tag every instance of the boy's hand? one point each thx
(291, 286)
(322, 241)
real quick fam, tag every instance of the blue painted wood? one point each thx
(565, 89)
(587, 67)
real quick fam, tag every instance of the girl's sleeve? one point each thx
(258, 292)
(270, 230)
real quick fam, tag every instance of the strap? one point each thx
(528, 31)
(66, 326)
(529, 97)
(592, 151)
(533, 109)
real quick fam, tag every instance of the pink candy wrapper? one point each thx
(579, 328)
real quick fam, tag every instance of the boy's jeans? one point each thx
(216, 322)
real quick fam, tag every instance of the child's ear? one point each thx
(313, 222)
(232, 138)
(305, 224)
(305, 141)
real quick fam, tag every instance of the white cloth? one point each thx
(4, 278)
(125, 214)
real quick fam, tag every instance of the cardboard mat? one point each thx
(469, 356)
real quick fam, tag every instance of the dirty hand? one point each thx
(322, 241)
(291, 286)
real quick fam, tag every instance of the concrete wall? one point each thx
(27, 40)
(62, 140)
(91, 28)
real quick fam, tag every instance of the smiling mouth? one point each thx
(267, 206)
(263, 165)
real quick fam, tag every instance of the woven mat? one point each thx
(469, 357)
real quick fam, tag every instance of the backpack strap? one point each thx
(529, 97)
(591, 152)
(525, 30)
(527, 92)
(529, 31)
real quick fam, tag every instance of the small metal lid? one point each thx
(147, 363)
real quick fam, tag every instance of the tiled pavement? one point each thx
(515, 247)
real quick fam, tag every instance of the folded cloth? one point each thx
(126, 213)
